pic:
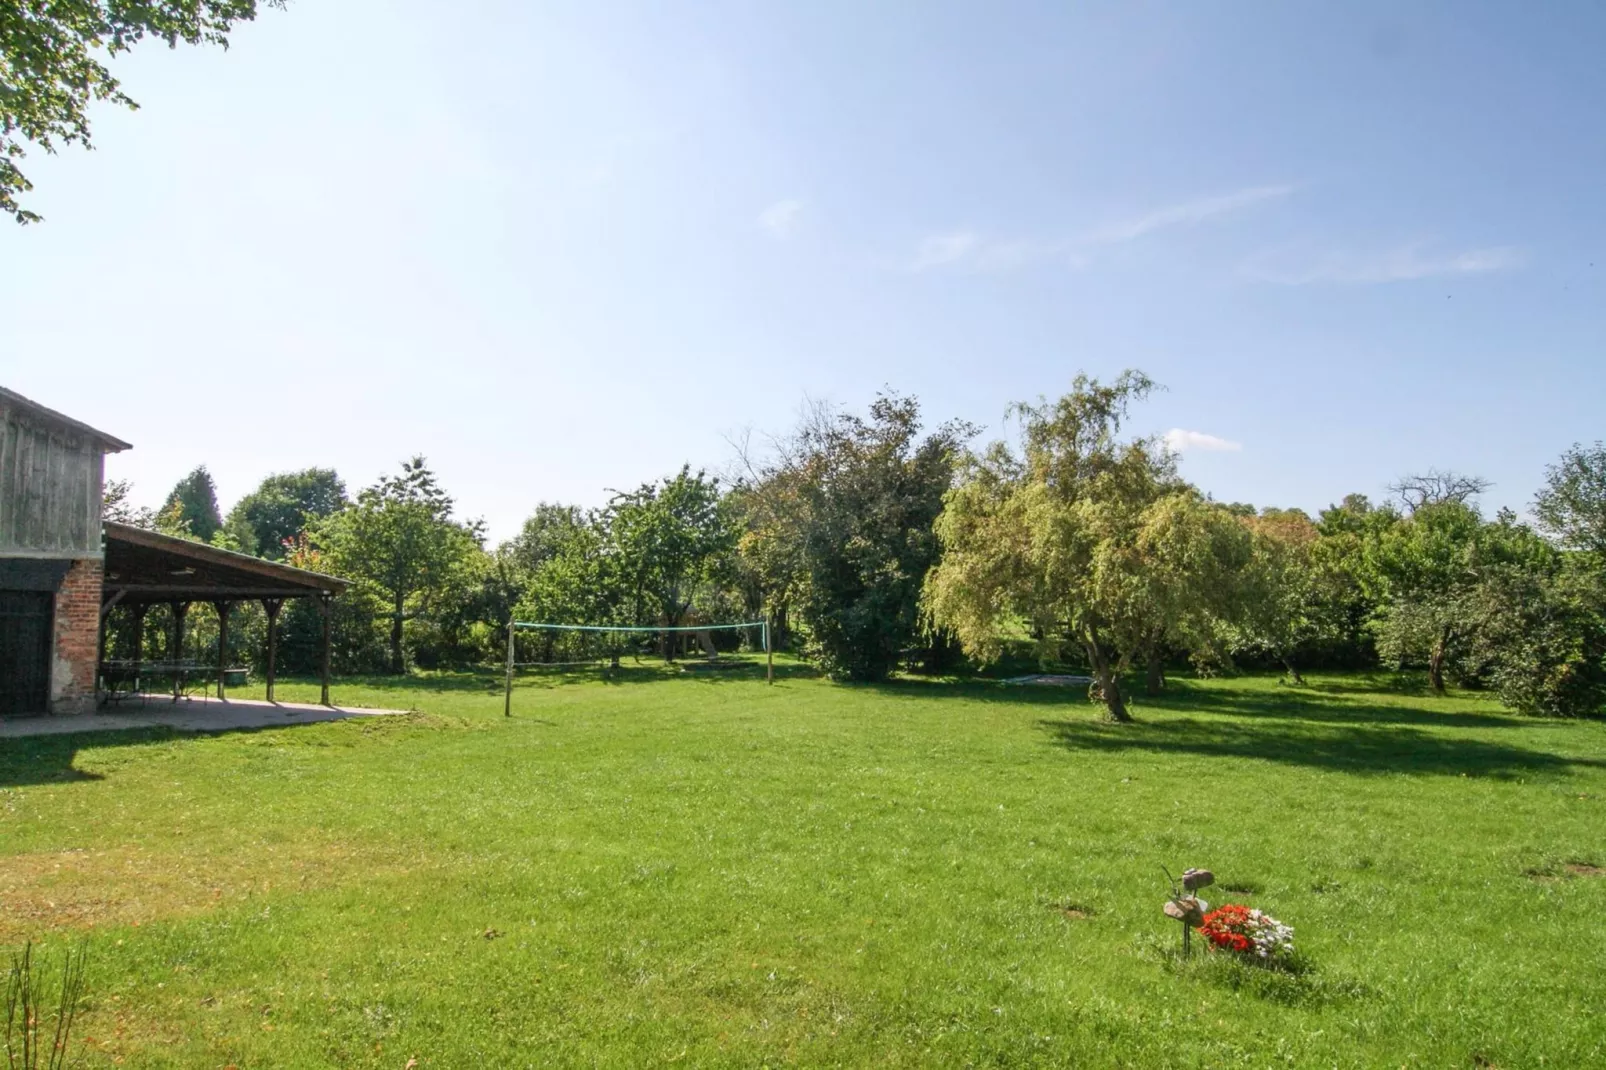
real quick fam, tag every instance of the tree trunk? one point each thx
(780, 629)
(1293, 673)
(1436, 663)
(1154, 677)
(397, 665)
(671, 639)
(1108, 684)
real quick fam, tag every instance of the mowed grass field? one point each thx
(709, 871)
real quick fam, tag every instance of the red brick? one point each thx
(72, 677)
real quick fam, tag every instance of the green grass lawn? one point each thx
(710, 871)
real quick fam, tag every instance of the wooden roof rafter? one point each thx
(146, 566)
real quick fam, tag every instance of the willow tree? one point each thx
(1283, 599)
(1079, 538)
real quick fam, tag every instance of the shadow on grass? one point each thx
(1341, 704)
(1360, 704)
(1348, 748)
(33, 760)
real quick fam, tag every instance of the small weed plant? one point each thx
(31, 1041)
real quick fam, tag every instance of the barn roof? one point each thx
(146, 566)
(10, 399)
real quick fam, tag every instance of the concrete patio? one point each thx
(198, 714)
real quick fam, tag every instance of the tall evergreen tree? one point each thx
(192, 505)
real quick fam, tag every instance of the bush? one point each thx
(356, 636)
(1542, 639)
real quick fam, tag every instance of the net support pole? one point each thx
(507, 686)
(769, 655)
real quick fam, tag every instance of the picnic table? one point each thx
(123, 679)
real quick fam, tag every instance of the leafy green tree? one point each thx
(1425, 572)
(582, 579)
(1536, 631)
(357, 643)
(1187, 562)
(839, 523)
(117, 505)
(1497, 602)
(770, 570)
(672, 538)
(466, 625)
(400, 540)
(1572, 506)
(1281, 600)
(192, 506)
(266, 521)
(544, 534)
(1078, 539)
(51, 69)
(1348, 580)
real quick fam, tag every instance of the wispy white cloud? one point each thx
(1186, 213)
(940, 250)
(1401, 264)
(781, 218)
(1181, 440)
(970, 250)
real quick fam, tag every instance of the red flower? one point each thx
(1224, 927)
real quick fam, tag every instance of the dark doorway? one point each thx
(25, 629)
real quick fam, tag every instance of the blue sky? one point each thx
(565, 247)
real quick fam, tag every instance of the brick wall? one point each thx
(77, 652)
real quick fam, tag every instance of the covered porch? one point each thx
(145, 568)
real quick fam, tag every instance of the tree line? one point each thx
(872, 545)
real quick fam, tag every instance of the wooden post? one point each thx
(271, 607)
(507, 693)
(323, 604)
(222, 608)
(139, 640)
(769, 656)
(100, 651)
(177, 655)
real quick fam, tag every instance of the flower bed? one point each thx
(1248, 932)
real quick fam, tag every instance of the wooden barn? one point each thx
(51, 479)
(62, 570)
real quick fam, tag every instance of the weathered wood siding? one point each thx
(50, 488)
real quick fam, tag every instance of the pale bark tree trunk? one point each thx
(1293, 673)
(1436, 662)
(1106, 680)
(397, 666)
